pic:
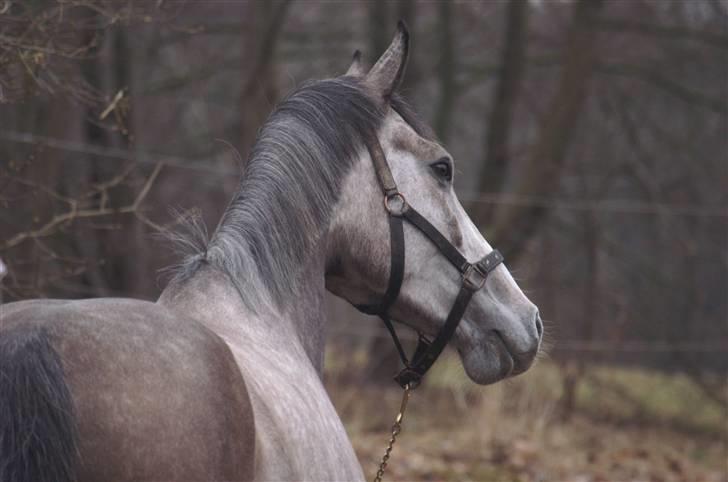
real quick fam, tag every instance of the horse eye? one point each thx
(443, 169)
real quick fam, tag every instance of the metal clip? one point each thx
(399, 206)
(468, 277)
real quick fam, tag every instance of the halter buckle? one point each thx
(474, 278)
(395, 203)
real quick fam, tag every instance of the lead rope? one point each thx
(396, 429)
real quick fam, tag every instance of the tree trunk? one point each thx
(445, 73)
(407, 11)
(574, 369)
(505, 95)
(260, 92)
(379, 31)
(515, 224)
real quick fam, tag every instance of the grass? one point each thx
(629, 424)
(654, 396)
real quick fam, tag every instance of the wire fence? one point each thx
(371, 330)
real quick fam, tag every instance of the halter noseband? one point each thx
(474, 274)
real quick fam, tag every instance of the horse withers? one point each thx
(221, 378)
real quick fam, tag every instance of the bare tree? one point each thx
(512, 226)
(259, 92)
(445, 72)
(505, 96)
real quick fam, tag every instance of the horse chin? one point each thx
(487, 363)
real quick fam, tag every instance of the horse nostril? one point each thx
(539, 325)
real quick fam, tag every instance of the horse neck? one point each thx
(211, 297)
(304, 308)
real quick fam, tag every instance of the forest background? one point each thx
(590, 138)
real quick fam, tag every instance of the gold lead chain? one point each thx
(396, 429)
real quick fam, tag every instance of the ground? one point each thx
(629, 425)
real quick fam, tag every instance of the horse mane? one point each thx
(290, 184)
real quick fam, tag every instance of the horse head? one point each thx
(500, 329)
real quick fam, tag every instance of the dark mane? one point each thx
(291, 181)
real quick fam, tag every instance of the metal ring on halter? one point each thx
(389, 207)
(468, 280)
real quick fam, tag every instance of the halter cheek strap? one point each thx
(473, 275)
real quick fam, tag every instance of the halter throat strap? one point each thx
(473, 275)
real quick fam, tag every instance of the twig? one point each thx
(148, 185)
(117, 98)
(61, 219)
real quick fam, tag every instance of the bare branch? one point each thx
(670, 32)
(60, 220)
(147, 186)
(666, 84)
(110, 108)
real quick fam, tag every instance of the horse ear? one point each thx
(356, 69)
(386, 75)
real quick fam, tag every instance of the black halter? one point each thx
(474, 275)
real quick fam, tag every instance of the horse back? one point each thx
(153, 396)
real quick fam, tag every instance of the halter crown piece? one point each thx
(474, 275)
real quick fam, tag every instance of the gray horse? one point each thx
(221, 378)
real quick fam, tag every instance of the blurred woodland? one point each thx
(591, 144)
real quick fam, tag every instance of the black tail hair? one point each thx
(37, 421)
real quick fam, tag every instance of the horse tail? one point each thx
(38, 439)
